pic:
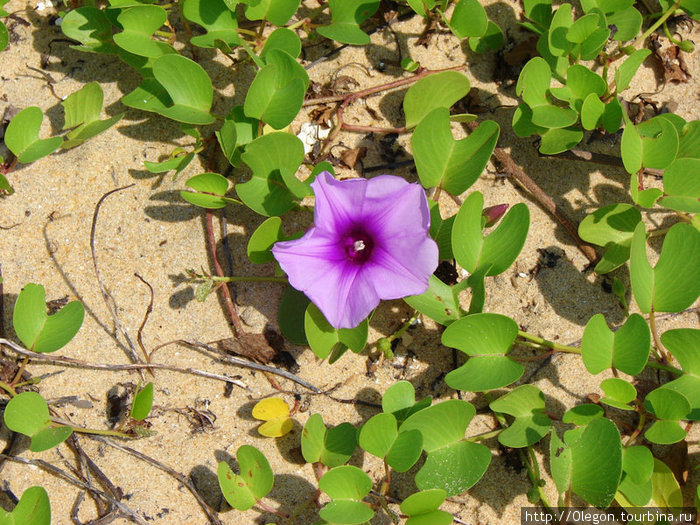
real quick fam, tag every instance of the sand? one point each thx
(147, 229)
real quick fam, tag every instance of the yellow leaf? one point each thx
(270, 408)
(276, 427)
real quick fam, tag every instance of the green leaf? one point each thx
(282, 39)
(558, 29)
(596, 462)
(291, 314)
(522, 122)
(625, 73)
(553, 117)
(437, 302)
(422, 508)
(672, 285)
(82, 111)
(262, 240)
(216, 18)
(669, 407)
(659, 142)
(491, 40)
(582, 82)
(560, 463)
(312, 438)
(22, 136)
(612, 116)
(323, 338)
(4, 36)
(277, 91)
(422, 6)
(582, 28)
(496, 252)
(346, 17)
(592, 111)
(28, 414)
(539, 11)
(612, 227)
(637, 468)
(486, 338)
(277, 12)
(255, 480)
(39, 331)
(440, 90)
(626, 350)
(143, 402)
(189, 87)
(399, 400)
(618, 393)
(139, 24)
(338, 444)
(177, 163)
(91, 27)
(453, 165)
(274, 159)
(347, 486)
(452, 464)
(210, 189)
(468, 19)
(666, 491)
(561, 139)
(33, 508)
(441, 231)
(534, 81)
(581, 415)
(682, 185)
(378, 434)
(526, 404)
(628, 23)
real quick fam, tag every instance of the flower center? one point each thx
(358, 246)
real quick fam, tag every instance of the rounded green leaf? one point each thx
(666, 491)
(581, 415)
(323, 338)
(481, 334)
(291, 314)
(277, 12)
(39, 331)
(637, 463)
(423, 502)
(522, 122)
(454, 468)
(534, 81)
(4, 36)
(143, 401)
(49, 438)
(345, 482)
(659, 142)
(401, 395)
(214, 16)
(283, 39)
(33, 508)
(561, 139)
(437, 302)
(583, 82)
(346, 512)
(339, 443)
(613, 227)
(453, 165)
(139, 24)
(209, 191)
(378, 434)
(625, 73)
(440, 90)
(489, 41)
(627, 21)
(91, 27)
(668, 406)
(255, 480)
(582, 28)
(22, 136)
(591, 111)
(618, 393)
(312, 438)
(627, 349)
(596, 463)
(682, 185)
(277, 91)
(346, 17)
(441, 424)
(526, 404)
(468, 19)
(262, 240)
(550, 116)
(27, 413)
(559, 28)
(405, 451)
(189, 87)
(560, 461)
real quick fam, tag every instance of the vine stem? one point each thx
(655, 335)
(92, 431)
(237, 324)
(658, 23)
(8, 388)
(549, 344)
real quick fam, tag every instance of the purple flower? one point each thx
(369, 242)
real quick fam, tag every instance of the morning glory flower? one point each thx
(369, 242)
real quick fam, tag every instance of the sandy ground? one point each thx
(147, 229)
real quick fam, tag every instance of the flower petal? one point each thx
(338, 203)
(395, 207)
(317, 266)
(402, 267)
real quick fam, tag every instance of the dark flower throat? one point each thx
(358, 246)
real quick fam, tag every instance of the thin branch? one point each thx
(125, 511)
(47, 358)
(228, 301)
(181, 478)
(105, 294)
(149, 309)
